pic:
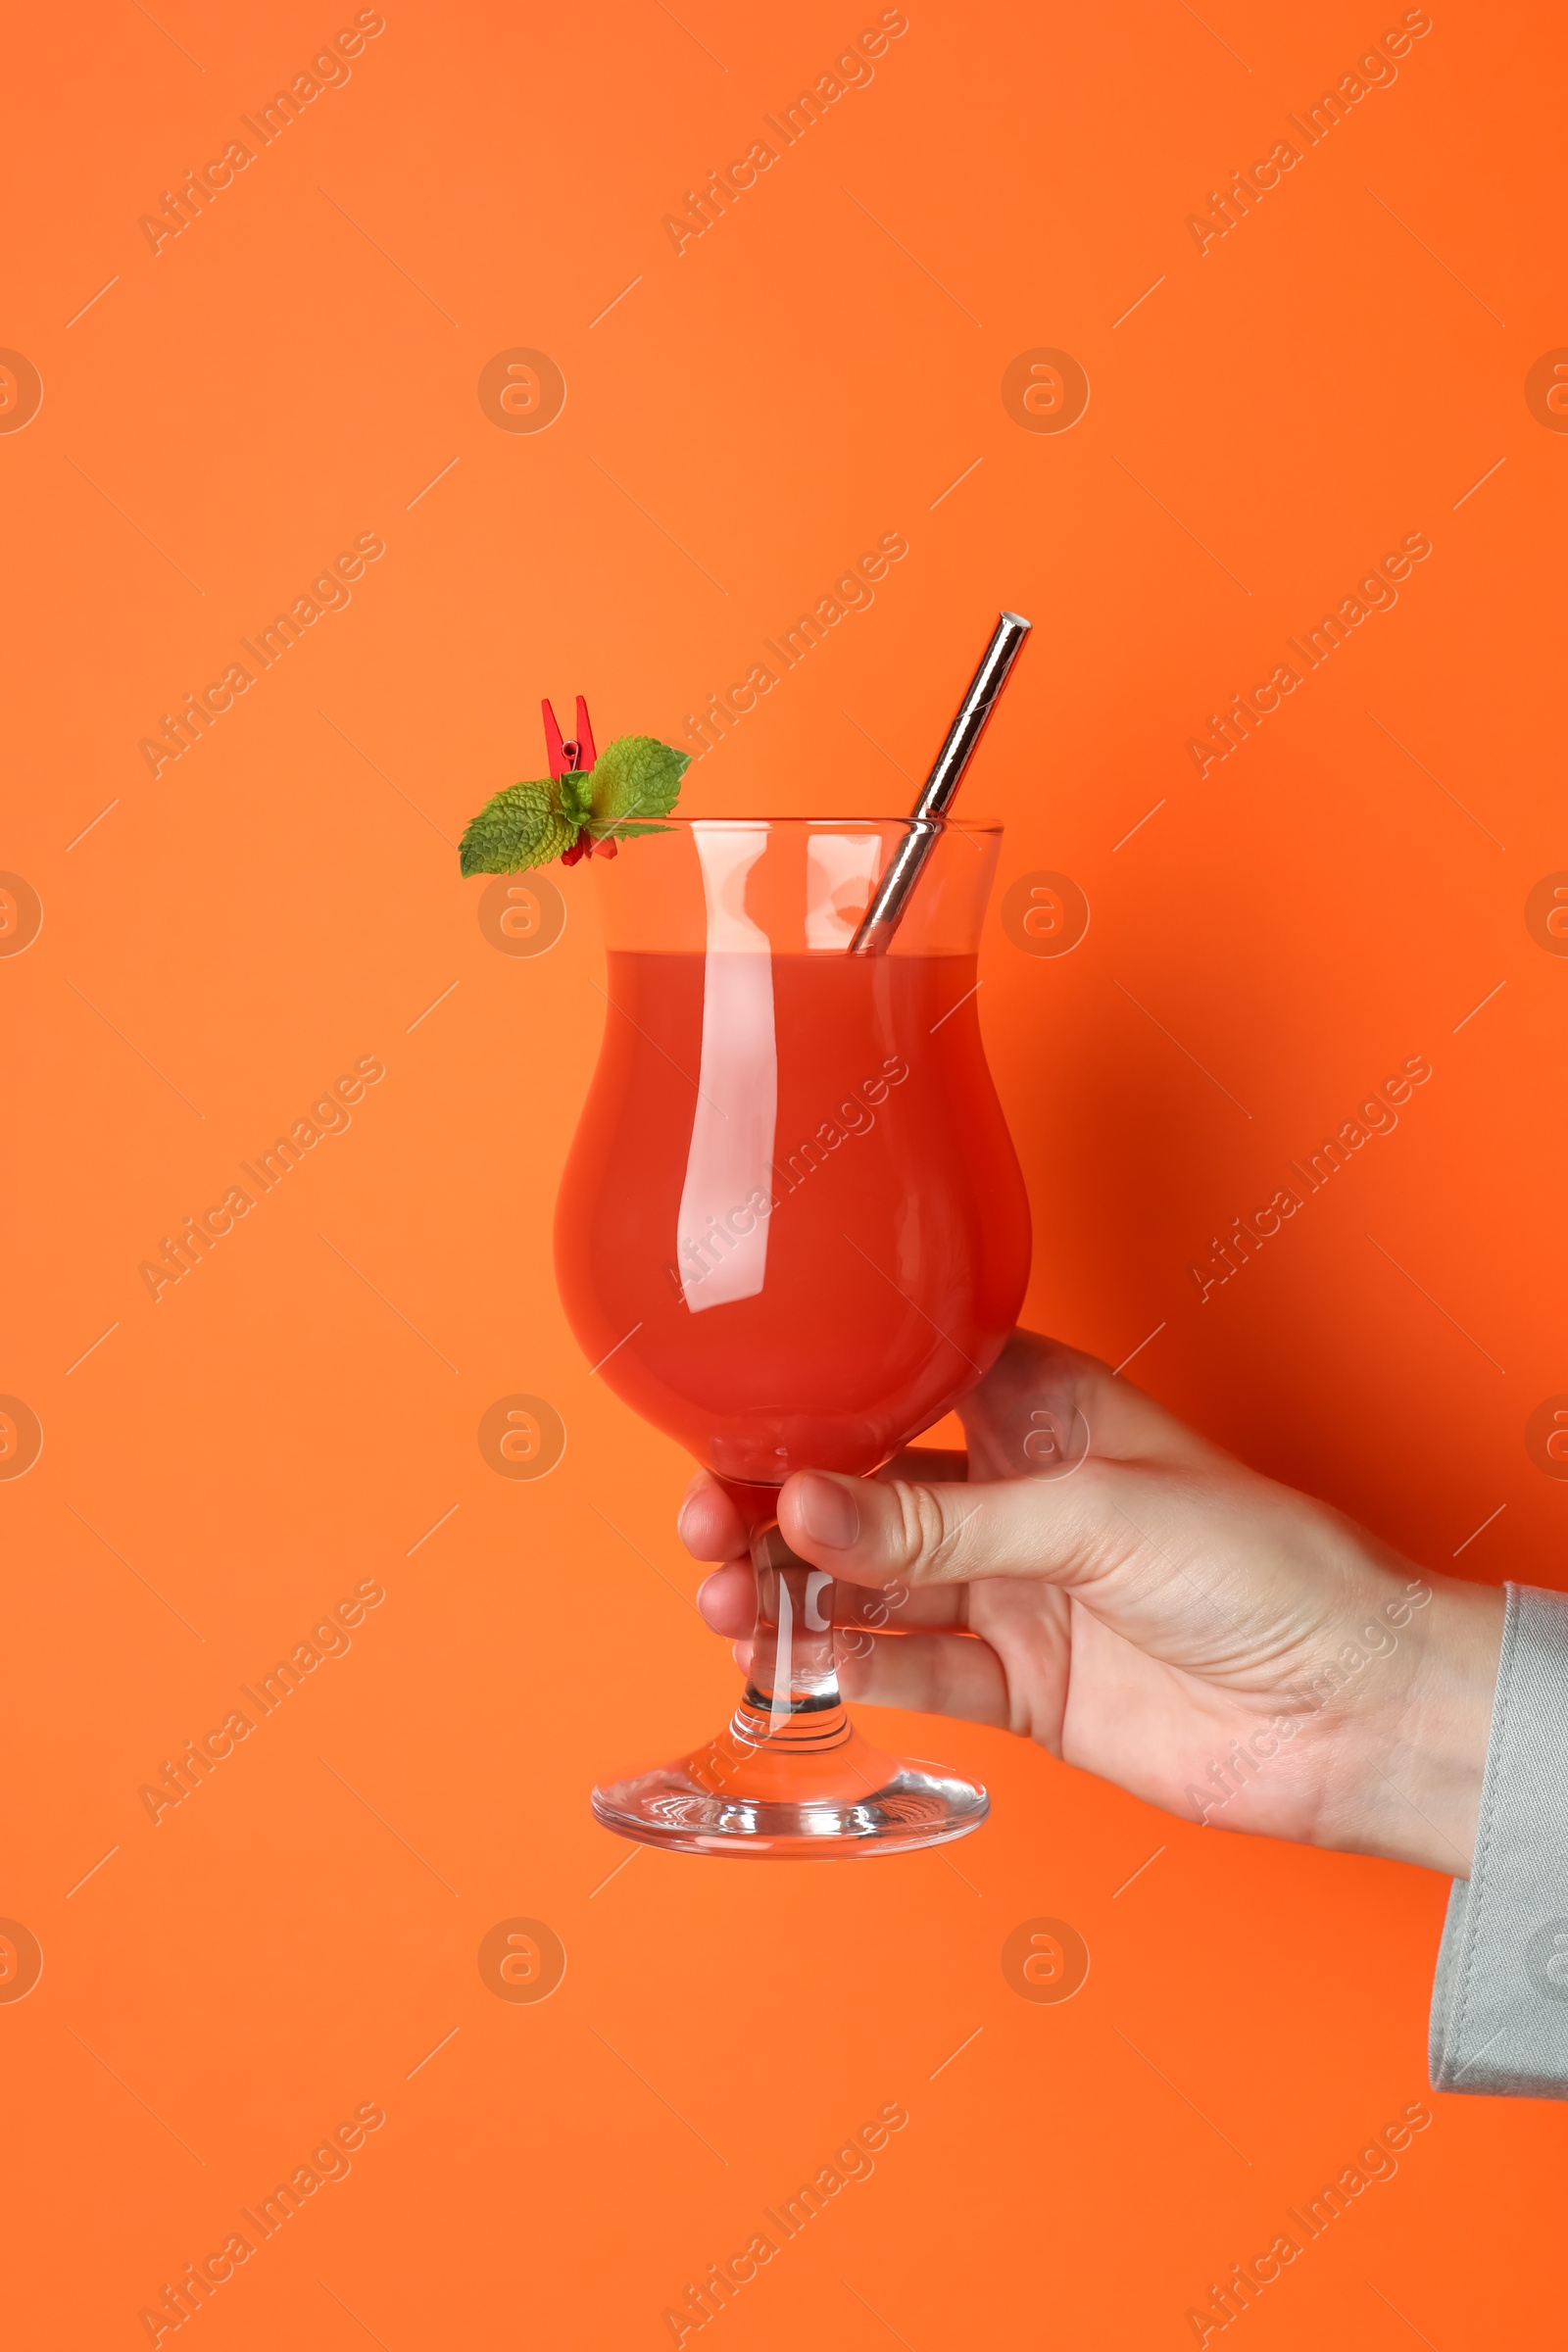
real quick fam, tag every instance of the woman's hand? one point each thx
(1095, 1576)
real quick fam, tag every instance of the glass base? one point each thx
(793, 1787)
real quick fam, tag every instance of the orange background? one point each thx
(296, 368)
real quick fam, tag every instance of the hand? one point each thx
(1093, 1576)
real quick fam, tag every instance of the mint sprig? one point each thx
(635, 781)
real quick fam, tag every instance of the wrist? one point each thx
(1410, 1767)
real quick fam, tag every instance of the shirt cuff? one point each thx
(1499, 1999)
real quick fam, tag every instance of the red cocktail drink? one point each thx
(813, 1304)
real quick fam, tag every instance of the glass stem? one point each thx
(791, 1696)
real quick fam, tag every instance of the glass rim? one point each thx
(822, 824)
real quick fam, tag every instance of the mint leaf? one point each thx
(635, 776)
(576, 797)
(522, 826)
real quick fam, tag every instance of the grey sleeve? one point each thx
(1499, 2001)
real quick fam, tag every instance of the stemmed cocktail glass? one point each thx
(793, 1231)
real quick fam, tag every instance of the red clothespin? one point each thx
(574, 758)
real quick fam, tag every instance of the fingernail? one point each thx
(829, 1512)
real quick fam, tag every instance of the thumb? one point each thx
(1069, 1532)
(1134, 1542)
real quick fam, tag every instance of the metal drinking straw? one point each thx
(887, 908)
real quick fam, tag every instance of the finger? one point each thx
(727, 1602)
(710, 1525)
(711, 1528)
(1070, 1532)
(899, 1608)
(932, 1673)
(1043, 1406)
(727, 1599)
